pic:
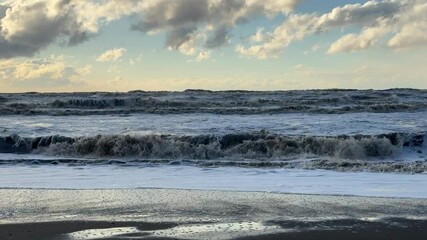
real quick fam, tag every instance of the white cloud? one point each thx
(49, 68)
(405, 20)
(258, 36)
(41, 73)
(412, 27)
(203, 56)
(295, 28)
(111, 55)
(353, 42)
(39, 68)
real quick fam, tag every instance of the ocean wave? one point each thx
(332, 101)
(254, 145)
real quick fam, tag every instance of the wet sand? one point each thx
(184, 214)
(349, 230)
(58, 230)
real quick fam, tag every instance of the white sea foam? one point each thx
(224, 178)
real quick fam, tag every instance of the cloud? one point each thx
(295, 28)
(203, 56)
(193, 27)
(41, 73)
(353, 42)
(111, 55)
(41, 68)
(258, 36)
(412, 28)
(168, 15)
(405, 20)
(409, 27)
(180, 36)
(27, 27)
(220, 38)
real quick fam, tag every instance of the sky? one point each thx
(122, 45)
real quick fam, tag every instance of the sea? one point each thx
(328, 142)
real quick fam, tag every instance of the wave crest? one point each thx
(222, 102)
(259, 145)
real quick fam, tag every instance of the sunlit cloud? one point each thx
(111, 55)
(406, 21)
(42, 73)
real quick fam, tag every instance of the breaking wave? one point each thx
(257, 145)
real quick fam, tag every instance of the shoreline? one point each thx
(213, 191)
(54, 214)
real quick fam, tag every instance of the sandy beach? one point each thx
(188, 214)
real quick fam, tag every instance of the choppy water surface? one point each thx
(339, 130)
(225, 102)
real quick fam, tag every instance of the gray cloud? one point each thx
(220, 37)
(181, 19)
(30, 26)
(8, 50)
(225, 9)
(358, 14)
(171, 14)
(203, 24)
(178, 36)
(3, 11)
(77, 38)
